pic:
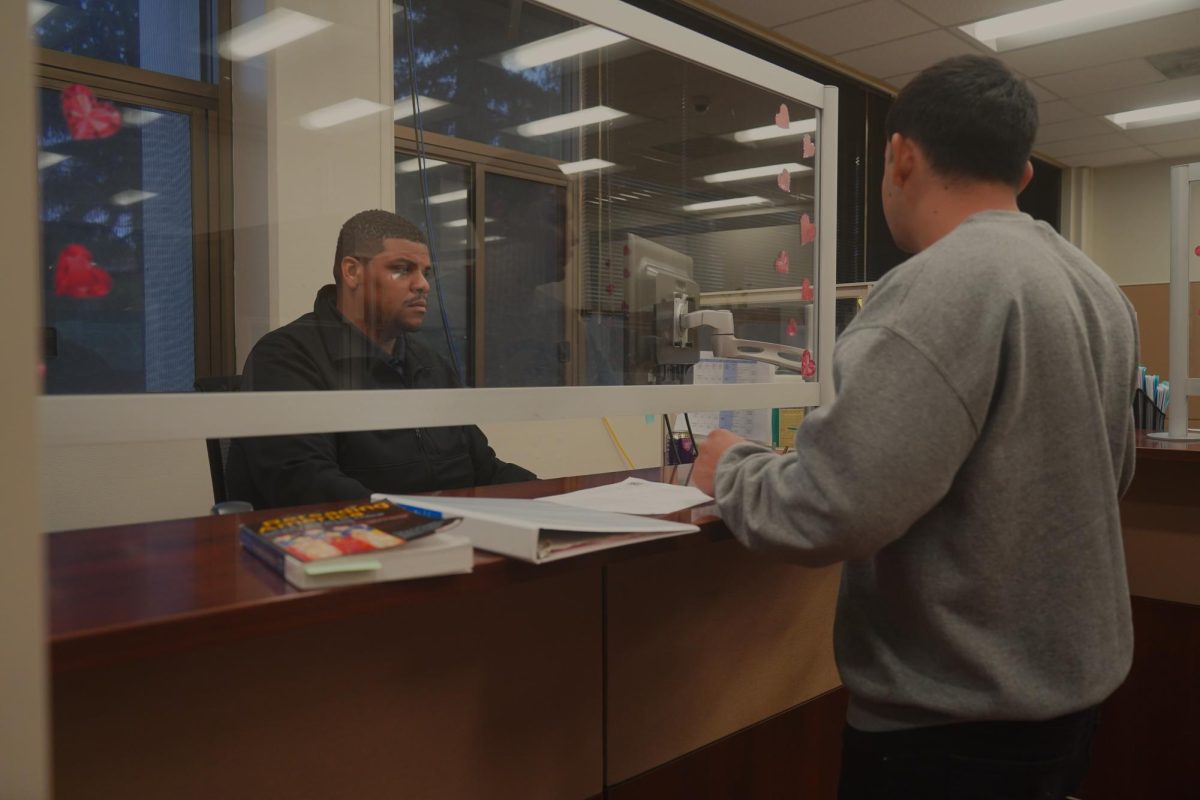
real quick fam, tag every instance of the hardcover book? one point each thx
(360, 543)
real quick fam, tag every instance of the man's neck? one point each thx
(357, 318)
(947, 206)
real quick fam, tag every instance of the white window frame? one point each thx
(100, 419)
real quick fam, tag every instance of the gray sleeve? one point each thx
(865, 467)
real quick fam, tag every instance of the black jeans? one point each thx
(969, 761)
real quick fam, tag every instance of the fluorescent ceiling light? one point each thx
(587, 165)
(769, 171)
(336, 114)
(564, 122)
(775, 132)
(493, 238)
(1157, 115)
(403, 108)
(557, 47)
(48, 159)
(39, 9)
(1065, 18)
(138, 117)
(414, 164)
(448, 197)
(272, 30)
(457, 223)
(733, 202)
(131, 196)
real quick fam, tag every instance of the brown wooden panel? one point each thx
(1149, 739)
(706, 642)
(491, 694)
(1160, 519)
(796, 754)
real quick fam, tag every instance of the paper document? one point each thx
(634, 496)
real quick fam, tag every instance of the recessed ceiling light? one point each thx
(1065, 18)
(131, 196)
(1157, 115)
(38, 9)
(338, 113)
(769, 171)
(447, 197)
(796, 128)
(587, 165)
(138, 117)
(564, 122)
(414, 164)
(557, 47)
(732, 202)
(272, 30)
(48, 159)
(403, 108)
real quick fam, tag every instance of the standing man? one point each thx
(967, 473)
(358, 336)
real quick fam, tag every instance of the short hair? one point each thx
(971, 116)
(362, 236)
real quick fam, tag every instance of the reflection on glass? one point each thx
(116, 213)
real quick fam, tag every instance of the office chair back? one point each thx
(218, 449)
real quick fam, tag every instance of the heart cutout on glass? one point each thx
(76, 276)
(810, 149)
(87, 117)
(808, 231)
(785, 181)
(792, 327)
(783, 119)
(806, 291)
(782, 262)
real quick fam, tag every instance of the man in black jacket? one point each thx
(356, 337)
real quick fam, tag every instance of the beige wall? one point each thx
(24, 736)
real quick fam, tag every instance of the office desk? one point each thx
(183, 667)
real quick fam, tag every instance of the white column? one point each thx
(24, 719)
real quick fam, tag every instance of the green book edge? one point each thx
(337, 565)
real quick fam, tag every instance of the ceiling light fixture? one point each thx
(338, 113)
(131, 196)
(272, 30)
(48, 159)
(38, 9)
(565, 122)
(1051, 21)
(414, 164)
(555, 48)
(1157, 115)
(448, 197)
(138, 117)
(769, 171)
(732, 202)
(796, 128)
(587, 165)
(403, 108)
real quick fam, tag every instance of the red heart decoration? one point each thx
(76, 276)
(808, 231)
(782, 262)
(806, 291)
(808, 367)
(608, 289)
(1198, 249)
(783, 119)
(87, 117)
(785, 181)
(792, 327)
(810, 149)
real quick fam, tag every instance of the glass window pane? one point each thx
(116, 213)
(159, 35)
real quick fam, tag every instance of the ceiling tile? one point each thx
(1105, 78)
(1073, 129)
(1087, 144)
(770, 13)
(1130, 98)
(956, 12)
(1110, 158)
(1057, 111)
(907, 55)
(856, 27)
(1188, 149)
(1039, 92)
(1104, 47)
(1158, 134)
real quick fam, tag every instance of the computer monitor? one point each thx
(658, 281)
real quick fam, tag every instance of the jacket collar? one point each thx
(344, 341)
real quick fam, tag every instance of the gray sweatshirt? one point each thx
(968, 473)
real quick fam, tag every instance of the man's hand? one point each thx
(704, 471)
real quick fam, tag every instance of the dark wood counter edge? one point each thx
(1160, 450)
(93, 647)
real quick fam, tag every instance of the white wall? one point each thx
(24, 718)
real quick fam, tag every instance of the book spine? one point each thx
(263, 549)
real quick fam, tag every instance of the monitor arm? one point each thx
(726, 345)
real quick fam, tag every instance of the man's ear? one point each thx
(904, 160)
(352, 272)
(1026, 177)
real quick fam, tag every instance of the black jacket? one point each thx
(321, 350)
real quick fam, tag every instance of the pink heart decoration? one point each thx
(785, 181)
(792, 328)
(782, 262)
(806, 291)
(810, 149)
(783, 119)
(76, 276)
(808, 367)
(87, 117)
(1198, 249)
(808, 231)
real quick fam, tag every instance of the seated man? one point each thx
(357, 337)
